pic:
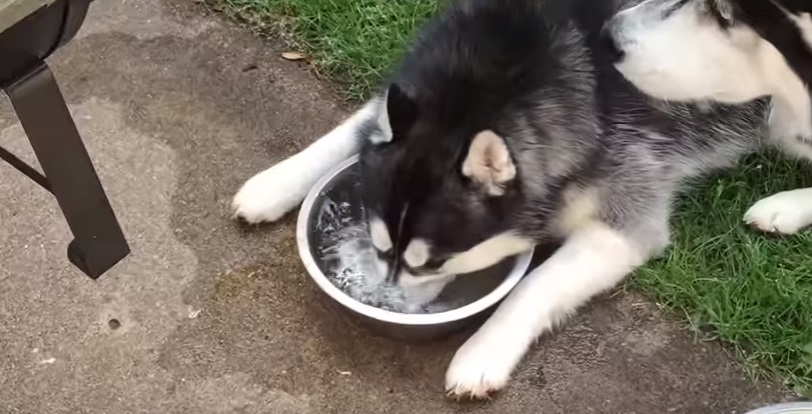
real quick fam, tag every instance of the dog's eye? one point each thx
(434, 263)
(385, 256)
(431, 267)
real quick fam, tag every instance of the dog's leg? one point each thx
(786, 212)
(590, 261)
(270, 194)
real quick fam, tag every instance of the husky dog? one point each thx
(507, 126)
(729, 51)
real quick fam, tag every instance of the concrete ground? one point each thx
(177, 108)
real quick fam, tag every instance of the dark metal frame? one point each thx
(69, 175)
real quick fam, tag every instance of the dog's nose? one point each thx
(607, 41)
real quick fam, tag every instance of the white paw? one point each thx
(481, 366)
(786, 212)
(269, 195)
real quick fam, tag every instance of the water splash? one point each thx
(351, 264)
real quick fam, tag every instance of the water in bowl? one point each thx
(341, 244)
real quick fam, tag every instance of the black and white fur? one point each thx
(729, 51)
(506, 126)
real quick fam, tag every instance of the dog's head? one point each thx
(436, 195)
(728, 51)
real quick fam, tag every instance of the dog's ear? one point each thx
(401, 111)
(489, 163)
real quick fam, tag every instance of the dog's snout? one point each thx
(609, 43)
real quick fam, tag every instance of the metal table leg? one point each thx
(98, 241)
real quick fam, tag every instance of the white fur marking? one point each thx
(408, 280)
(379, 235)
(590, 262)
(787, 212)
(487, 253)
(270, 194)
(580, 207)
(416, 253)
(791, 114)
(663, 57)
(385, 133)
(687, 57)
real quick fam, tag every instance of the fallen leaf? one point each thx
(293, 56)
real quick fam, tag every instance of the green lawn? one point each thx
(751, 291)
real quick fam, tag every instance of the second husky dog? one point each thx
(729, 51)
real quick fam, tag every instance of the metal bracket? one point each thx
(68, 171)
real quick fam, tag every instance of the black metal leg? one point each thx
(98, 241)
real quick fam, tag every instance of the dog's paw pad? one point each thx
(784, 213)
(476, 374)
(271, 194)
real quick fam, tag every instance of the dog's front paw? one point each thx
(269, 195)
(478, 369)
(786, 213)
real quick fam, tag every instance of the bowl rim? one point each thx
(473, 308)
(799, 407)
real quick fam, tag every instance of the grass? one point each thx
(352, 42)
(751, 291)
(731, 283)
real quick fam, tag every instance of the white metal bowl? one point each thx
(804, 407)
(389, 323)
